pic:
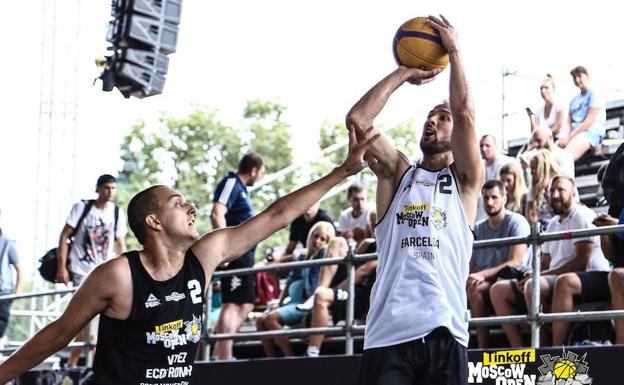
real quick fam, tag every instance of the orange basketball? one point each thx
(417, 45)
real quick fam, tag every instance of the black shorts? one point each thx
(239, 289)
(338, 308)
(595, 286)
(435, 359)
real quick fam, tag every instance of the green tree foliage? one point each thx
(192, 154)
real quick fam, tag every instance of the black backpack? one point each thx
(49, 262)
(613, 178)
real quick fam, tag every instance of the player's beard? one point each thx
(435, 147)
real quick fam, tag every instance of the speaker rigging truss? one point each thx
(142, 34)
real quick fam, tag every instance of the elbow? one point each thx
(356, 120)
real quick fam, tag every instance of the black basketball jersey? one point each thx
(157, 343)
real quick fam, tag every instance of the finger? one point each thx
(352, 139)
(434, 21)
(445, 20)
(368, 143)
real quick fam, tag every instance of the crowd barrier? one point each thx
(534, 318)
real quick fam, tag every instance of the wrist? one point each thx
(453, 50)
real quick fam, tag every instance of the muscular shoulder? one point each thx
(113, 277)
(113, 280)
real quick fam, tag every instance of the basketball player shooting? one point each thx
(417, 326)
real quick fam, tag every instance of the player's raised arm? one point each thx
(229, 243)
(363, 113)
(467, 160)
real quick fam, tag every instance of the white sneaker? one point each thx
(307, 305)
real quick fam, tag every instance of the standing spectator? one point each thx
(300, 228)
(512, 177)
(486, 264)
(354, 222)
(8, 258)
(232, 206)
(587, 117)
(550, 115)
(98, 228)
(301, 285)
(562, 256)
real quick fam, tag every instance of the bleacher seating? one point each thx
(587, 167)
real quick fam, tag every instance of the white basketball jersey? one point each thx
(424, 244)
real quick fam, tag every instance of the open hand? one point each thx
(354, 162)
(446, 31)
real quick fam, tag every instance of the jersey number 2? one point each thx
(195, 289)
(445, 184)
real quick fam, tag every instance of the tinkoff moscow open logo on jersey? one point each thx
(506, 367)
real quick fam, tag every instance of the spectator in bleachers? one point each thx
(587, 117)
(301, 284)
(493, 160)
(543, 168)
(299, 229)
(551, 115)
(512, 177)
(487, 263)
(331, 295)
(354, 222)
(542, 138)
(559, 257)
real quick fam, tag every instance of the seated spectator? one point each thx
(299, 229)
(301, 284)
(542, 139)
(543, 168)
(486, 264)
(493, 161)
(560, 257)
(587, 117)
(354, 222)
(331, 295)
(550, 115)
(512, 177)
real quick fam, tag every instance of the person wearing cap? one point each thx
(98, 228)
(587, 117)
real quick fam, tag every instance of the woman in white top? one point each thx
(551, 114)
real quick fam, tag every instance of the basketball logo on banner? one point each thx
(567, 367)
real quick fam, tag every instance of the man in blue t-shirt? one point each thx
(587, 117)
(232, 206)
(487, 263)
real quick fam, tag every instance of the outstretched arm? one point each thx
(467, 160)
(226, 244)
(93, 297)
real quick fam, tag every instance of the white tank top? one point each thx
(424, 245)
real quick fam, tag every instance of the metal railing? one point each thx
(535, 317)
